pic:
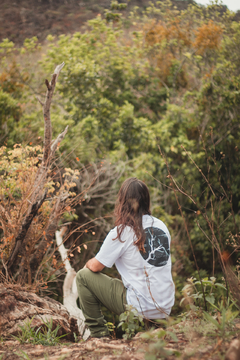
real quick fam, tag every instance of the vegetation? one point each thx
(152, 94)
(131, 322)
(41, 336)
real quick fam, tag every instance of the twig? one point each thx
(186, 228)
(40, 100)
(199, 170)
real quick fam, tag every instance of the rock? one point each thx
(18, 307)
(233, 352)
(65, 350)
(11, 343)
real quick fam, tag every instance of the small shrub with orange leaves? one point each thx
(208, 37)
(18, 169)
(167, 40)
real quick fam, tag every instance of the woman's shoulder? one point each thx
(152, 221)
(126, 230)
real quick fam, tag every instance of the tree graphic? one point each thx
(156, 247)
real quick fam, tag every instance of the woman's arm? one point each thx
(94, 265)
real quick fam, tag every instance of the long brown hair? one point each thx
(133, 202)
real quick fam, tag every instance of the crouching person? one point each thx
(139, 246)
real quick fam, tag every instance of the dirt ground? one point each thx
(189, 342)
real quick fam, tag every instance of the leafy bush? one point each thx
(195, 291)
(131, 322)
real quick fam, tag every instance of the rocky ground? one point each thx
(185, 340)
(23, 313)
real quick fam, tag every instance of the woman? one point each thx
(139, 246)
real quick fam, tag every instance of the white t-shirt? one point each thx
(146, 275)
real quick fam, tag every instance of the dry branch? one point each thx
(12, 261)
(46, 239)
(49, 150)
(38, 193)
(5, 213)
(46, 113)
(57, 141)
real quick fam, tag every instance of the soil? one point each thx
(191, 344)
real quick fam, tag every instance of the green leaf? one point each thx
(173, 335)
(220, 285)
(210, 299)
(211, 319)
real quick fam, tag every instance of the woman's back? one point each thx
(146, 275)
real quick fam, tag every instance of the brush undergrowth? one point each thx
(215, 326)
(44, 335)
(131, 322)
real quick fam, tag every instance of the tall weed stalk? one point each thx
(210, 210)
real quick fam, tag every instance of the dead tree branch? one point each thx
(38, 194)
(46, 239)
(12, 261)
(49, 150)
(57, 141)
(70, 293)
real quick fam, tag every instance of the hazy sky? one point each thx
(233, 5)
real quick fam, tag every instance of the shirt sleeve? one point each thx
(111, 249)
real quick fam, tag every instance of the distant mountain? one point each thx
(27, 18)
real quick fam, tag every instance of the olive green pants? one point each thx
(94, 290)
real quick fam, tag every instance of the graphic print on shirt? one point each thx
(156, 247)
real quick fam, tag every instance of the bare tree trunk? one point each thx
(48, 151)
(38, 193)
(70, 293)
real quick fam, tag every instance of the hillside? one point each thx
(27, 18)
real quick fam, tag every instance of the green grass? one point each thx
(44, 335)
